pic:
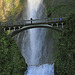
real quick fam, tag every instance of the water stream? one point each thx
(33, 46)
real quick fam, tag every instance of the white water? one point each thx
(33, 55)
(41, 70)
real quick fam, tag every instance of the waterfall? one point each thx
(33, 46)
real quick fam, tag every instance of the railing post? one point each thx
(52, 24)
(19, 28)
(57, 24)
(14, 28)
(62, 25)
(4, 29)
(46, 20)
(24, 22)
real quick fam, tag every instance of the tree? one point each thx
(65, 61)
(11, 60)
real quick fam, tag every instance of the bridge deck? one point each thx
(19, 26)
(31, 22)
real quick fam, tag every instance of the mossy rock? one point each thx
(10, 9)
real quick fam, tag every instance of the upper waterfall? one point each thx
(32, 9)
(36, 36)
(35, 45)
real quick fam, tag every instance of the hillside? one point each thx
(60, 8)
(11, 60)
(65, 60)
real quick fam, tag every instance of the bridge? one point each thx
(18, 26)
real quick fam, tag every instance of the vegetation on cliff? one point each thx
(65, 61)
(61, 8)
(11, 60)
(10, 9)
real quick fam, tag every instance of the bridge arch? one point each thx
(18, 26)
(35, 26)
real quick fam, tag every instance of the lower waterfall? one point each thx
(45, 69)
(34, 47)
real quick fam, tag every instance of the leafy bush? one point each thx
(11, 61)
(65, 61)
(61, 10)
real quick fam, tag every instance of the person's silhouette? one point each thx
(31, 20)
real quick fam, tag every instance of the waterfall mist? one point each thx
(36, 44)
(33, 52)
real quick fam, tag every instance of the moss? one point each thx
(11, 60)
(6, 0)
(10, 9)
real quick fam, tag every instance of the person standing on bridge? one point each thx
(60, 19)
(63, 18)
(31, 20)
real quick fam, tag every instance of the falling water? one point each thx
(33, 43)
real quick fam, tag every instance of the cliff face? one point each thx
(52, 3)
(10, 9)
(59, 8)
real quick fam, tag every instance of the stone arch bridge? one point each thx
(18, 26)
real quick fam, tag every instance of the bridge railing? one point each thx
(22, 22)
(6, 23)
(45, 20)
(35, 21)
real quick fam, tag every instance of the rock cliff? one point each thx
(10, 9)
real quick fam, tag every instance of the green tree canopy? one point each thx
(65, 61)
(11, 60)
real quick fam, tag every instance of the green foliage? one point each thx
(6, 0)
(11, 61)
(61, 10)
(65, 61)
